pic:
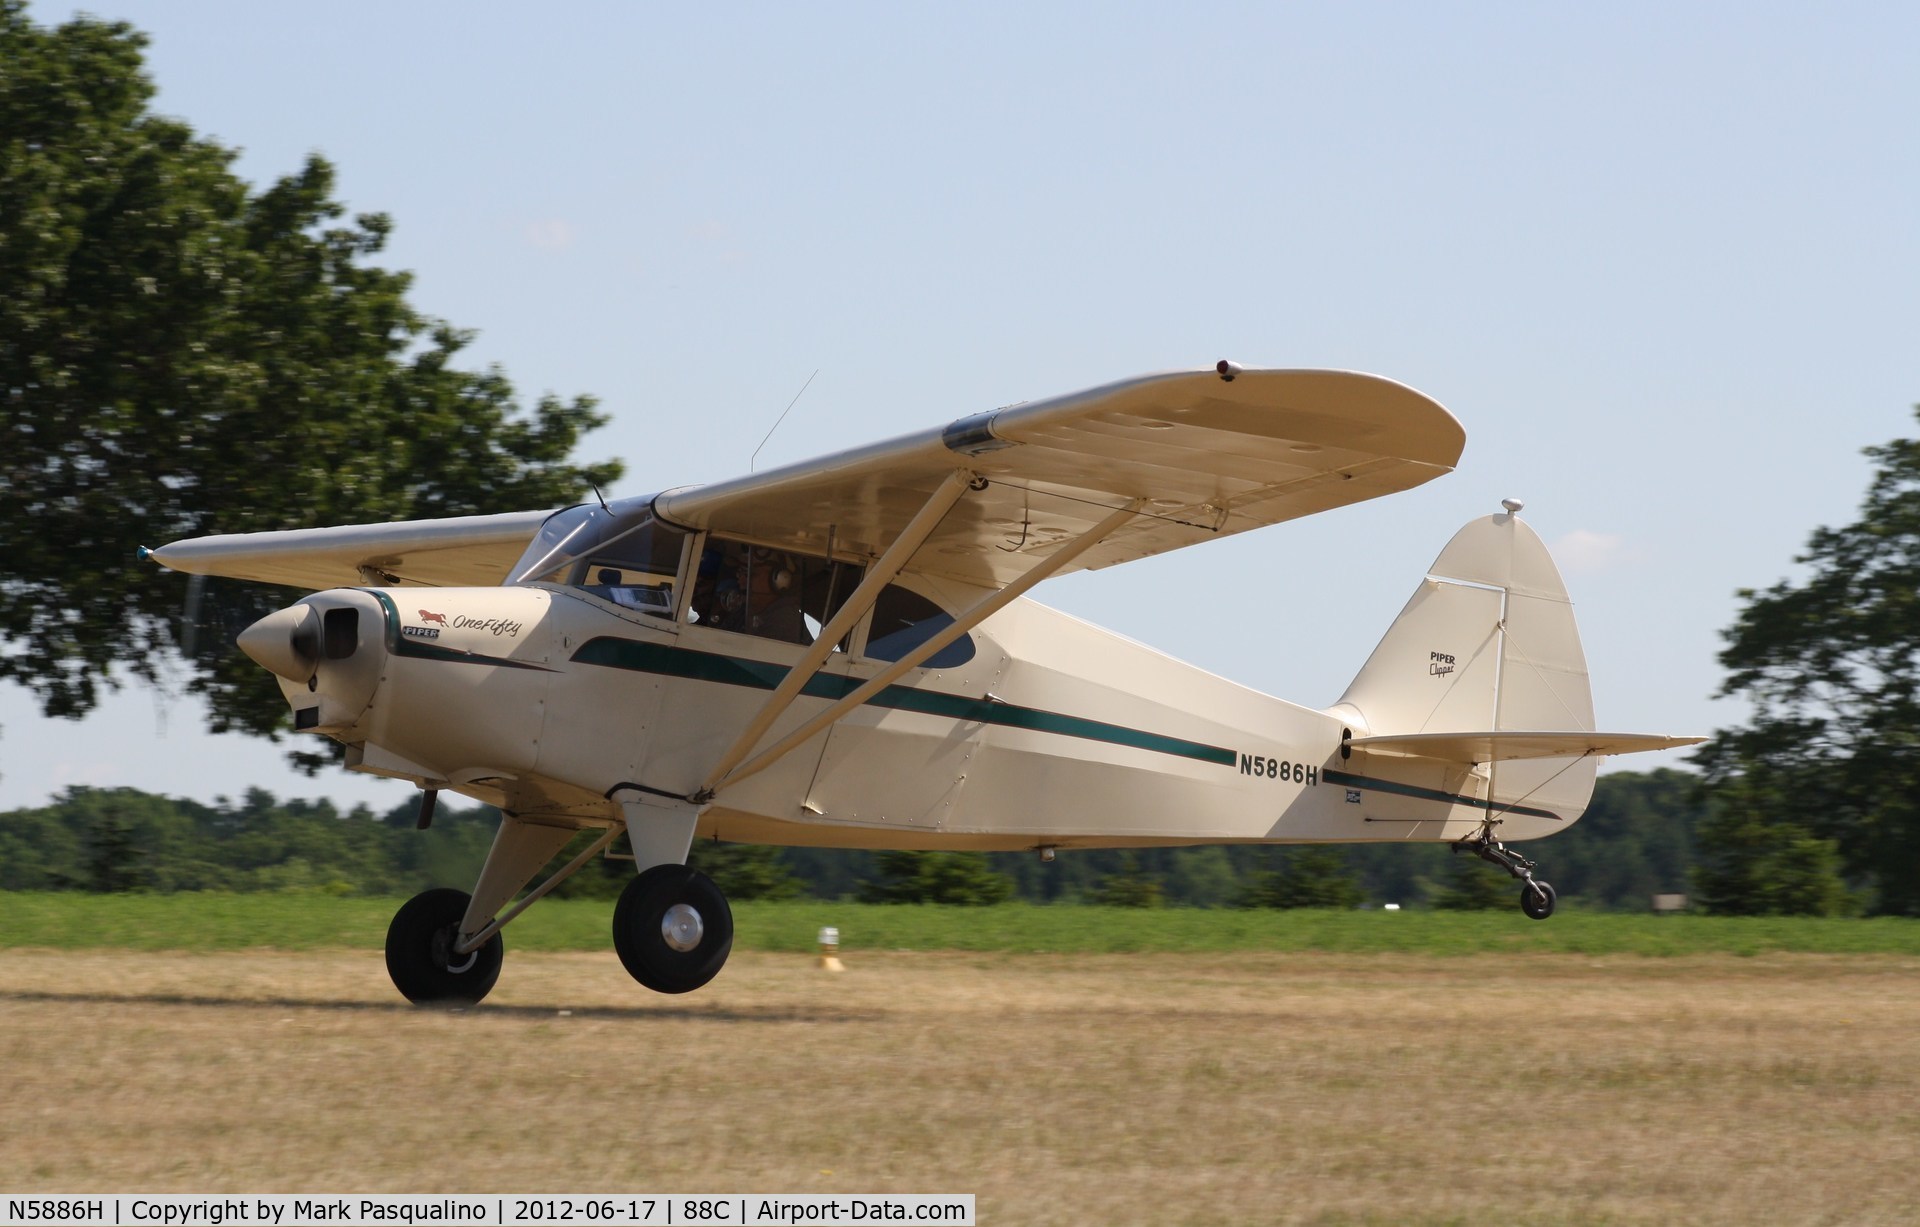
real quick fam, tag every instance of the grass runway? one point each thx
(1198, 1087)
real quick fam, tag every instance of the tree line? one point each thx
(183, 353)
(1636, 841)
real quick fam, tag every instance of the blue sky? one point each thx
(1661, 261)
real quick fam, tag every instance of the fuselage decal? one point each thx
(1347, 779)
(403, 640)
(668, 661)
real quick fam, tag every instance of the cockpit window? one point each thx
(903, 620)
(557, 544)
(630, 559)
(779, 594)
(638, 571)
(774, 594)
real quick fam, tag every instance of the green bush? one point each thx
(964, 879)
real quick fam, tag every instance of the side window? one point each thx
(904, 620)
(637, 571)
(774, 594)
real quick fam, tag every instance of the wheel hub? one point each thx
(443, 951)
(681, 927)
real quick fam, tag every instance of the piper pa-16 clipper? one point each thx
(837, 653)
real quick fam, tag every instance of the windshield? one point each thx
(547, 557)
(619, 553)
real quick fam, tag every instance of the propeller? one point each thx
(190, 614)
(286, 641)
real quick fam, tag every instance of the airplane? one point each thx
(841, 653)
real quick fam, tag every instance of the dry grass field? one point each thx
(1157, 1088)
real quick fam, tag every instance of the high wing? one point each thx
(461, 551)
(1203, 454)
(1188, 456)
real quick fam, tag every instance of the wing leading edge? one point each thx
(461, 551)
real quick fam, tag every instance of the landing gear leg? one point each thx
(672, 927)
(444, 945)
(1536, 897)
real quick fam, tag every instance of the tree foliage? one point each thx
(1831, 664)
(1129, 886)
(1636, 840)
(964, 878)
(1472, 885)
(121, 839)
(746, 871)
(1756, 864)
(1308, 877)
(181, 355)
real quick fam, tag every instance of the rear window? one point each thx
(903, 620)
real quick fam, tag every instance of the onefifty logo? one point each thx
(495, 626)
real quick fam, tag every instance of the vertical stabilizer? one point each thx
(1488, 643)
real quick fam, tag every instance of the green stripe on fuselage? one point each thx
(735, 671)
(1334, 775)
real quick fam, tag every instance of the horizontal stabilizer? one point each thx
(1506, 744)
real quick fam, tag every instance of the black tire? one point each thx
(1537, 900)
(641, 915)
(420, 958)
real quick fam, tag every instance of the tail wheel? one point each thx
(1537, 900)
(420, 952)
(672, 929)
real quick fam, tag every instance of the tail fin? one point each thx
(1478, 695)
(1488, 642)
(1486, 646)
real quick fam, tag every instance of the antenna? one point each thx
(783, 417)
(603, 498)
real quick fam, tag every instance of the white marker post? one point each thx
(830, 950)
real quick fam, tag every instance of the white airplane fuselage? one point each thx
(546, 700)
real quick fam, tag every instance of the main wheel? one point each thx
(420, 957)
(672, 929)
(1537, 899)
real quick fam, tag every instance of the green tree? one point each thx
(1635, 841)
(182, 355)
(1201, 877)
(1831, 665)
(965, 878)
(745, 871)
(1307, 877)
(112, 865)
(1754, 863)
(1472, 885)
(1129, 886)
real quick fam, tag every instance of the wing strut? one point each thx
(980, 612)
(878, 576)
